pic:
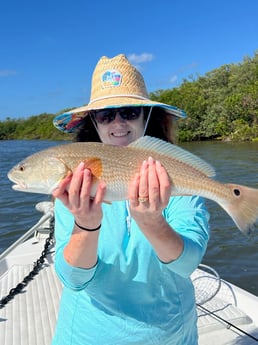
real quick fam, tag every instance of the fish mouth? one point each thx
(18, 185)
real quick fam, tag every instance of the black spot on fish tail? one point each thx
(237, 192)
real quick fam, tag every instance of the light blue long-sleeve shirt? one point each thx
(130, 296)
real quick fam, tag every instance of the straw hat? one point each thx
(115, 83)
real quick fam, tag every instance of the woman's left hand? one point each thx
(149, 192)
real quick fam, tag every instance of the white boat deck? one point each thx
(29, 318)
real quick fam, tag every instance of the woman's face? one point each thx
(116, 130)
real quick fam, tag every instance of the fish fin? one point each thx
(243, 207)
(94, 164)
(55, 161)
(164, 148)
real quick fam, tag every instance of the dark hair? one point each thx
(161, 125)
(86, 131)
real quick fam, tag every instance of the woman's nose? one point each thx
(118, 118)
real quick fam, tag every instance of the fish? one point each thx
(42, 171)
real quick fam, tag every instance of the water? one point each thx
(234, 256)
(17, 209)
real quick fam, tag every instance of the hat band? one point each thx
(117, 96)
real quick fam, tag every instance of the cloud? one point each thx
(173, 79)
(141, 58)
(7, 72)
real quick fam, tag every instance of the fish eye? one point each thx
(21, 167)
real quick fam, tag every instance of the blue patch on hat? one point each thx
(111, 78)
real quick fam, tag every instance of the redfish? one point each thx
(116, 165)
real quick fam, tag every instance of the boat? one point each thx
(30, 292)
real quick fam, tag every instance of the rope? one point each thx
(38, 265)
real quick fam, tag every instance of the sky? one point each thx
(49, 48)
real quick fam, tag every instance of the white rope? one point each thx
(147, 121)
(117, 96)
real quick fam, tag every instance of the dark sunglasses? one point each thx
(105, 116)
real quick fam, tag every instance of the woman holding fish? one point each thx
(125, 266)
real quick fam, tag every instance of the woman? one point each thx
(126, 267)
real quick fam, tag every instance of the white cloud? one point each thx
(7, 72)
(137, 59)
(173, 79)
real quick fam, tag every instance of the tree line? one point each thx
(33, 127)
(221, 105)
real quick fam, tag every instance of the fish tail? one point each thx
(243, 207)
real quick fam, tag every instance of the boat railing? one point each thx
(45, 224)
(48, 215)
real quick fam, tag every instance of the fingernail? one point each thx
(144, 165)
(87, 172)
(81, 165)
(158, 164)
(150, 160)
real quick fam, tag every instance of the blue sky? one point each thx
(49, 48)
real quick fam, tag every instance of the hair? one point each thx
(161, 125)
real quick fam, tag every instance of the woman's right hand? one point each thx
(74, 192)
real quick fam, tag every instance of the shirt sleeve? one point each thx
(189, 217)
(75, 278)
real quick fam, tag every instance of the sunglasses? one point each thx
(105, 116)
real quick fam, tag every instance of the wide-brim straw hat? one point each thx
(115, 83)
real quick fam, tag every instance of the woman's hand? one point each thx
(149, 192)
(74, 192)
